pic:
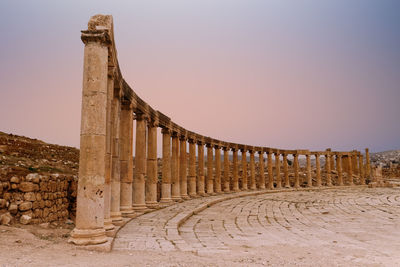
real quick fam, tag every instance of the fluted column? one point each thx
(115, 212)
(367, 172)
(261, 177)
(175, 188)
(350, 172)
(278, 170)
(152, 173)
(296, 170)
(89, 227)
(226, 170)
(270, 173)
(286, 170)
(318, 169)
(200, 169)
(210, 175)
(328, 168)
(361, 168)
(339, 169)
(183, 168)
(309, 177)
(192, 168)
(252, 171)
(139, 180)
(217, 180)
(235, 174)
(244, 169)
(126, 164)
(166, 166)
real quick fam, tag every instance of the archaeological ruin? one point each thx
(116, 183)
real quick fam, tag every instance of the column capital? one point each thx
(96, 36)
(209, 145)
(191, 140)
(139, 116)
(165, 130)
(182, 137)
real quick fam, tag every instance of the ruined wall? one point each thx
(37, 198)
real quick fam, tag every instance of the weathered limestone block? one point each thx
(5, 218)
(14, 179)
(28, 187)
(30, 196)
(13, 208)
(3, 203)
(27, 205)
(25, 219)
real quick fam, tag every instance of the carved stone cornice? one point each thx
(96, 36)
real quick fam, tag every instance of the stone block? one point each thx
(3, 203)
(28, 187)
(27, 205)
(33, 177)
(30, 196)
(25, 219)
(13, 208)
(5, 218)
(14, 179)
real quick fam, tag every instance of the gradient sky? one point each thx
(287, 74)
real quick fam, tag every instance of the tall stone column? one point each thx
(183, 168)
(244, 170)
(217, 180)
(339, 169)
(328, 168)
(126, 140)
(309, 177)
(115, 154)
(210, 175)
(296, 170)
(176, 193)
(261, 179)
(286, 170)
(326, 162)
(318, 169)
(367, 172)
(108, 226)
(354, 162)
(270, 173)
(235, 174)
(226, 170)
(361, 168)
(139, 180)
(89, 227)
(278, 170)
(200, 170)
(252, 171)
(166, 166)
(350, 172)
(152, 172)
(192, 168)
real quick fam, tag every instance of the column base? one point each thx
(83, 237)
(152, 205)
(193, 195)
(139, 207)
(126, 211)
(202, 194)
(166, 200)
(116, 218)
(108, 225)
(185, 197)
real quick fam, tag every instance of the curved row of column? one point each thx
(114, 182)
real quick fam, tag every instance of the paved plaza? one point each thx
(334, 226)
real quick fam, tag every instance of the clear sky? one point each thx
(287, 74)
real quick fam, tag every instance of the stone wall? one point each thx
(37, 198)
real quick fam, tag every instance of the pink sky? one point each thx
(311, 76)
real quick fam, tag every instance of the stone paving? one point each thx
(360, 223)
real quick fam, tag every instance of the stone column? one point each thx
(226, 170)
(107, 182)
(296, 170)
(278, 170)
(261, 179)
(326, 162)
(367, 172)
(166, 166)
(252, 171)
(235, 174)
(210, 176)
(217, 180)
(139, 180)
(318, 169)
(286, 170)
(270, 174)
(361, 168)
(89, 227)
(152, 172)
(126, 164)
(309, 177)
(339, 169)
(328, 168)
(115, 162)
(192, 168)
(350, 172)
(244, 170)
(183, 168)
(200, 170)
(354, 162)
(175, 188)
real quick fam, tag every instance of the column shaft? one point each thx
(152, 172)
(252, 171)
(138, 203)
(361, 169)
(217, 180)
(270, 173)
(166, 167)
(261, 177)
(328, 169)
(278, 171)
(339, 169)
(226, 171)
(318, 170)
(210, 175)
(200, 170)
(309, 177)
(192, 168)
(286, 170)
(175, 188)
(244, 170)
(350, 172)
(296, 170)
(367, 172)
(183, 168)
(235, 174)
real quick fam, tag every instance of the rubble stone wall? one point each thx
(37, 198)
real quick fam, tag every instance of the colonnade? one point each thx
(115, 183)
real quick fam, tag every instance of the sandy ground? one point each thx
(348, 227)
